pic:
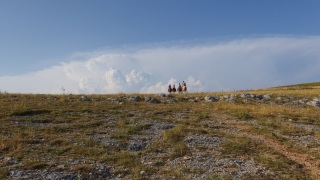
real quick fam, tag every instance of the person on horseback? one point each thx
(169, 88)
(174, 88)
(179, 88)
(184, 86)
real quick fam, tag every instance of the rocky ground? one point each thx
(203, 152)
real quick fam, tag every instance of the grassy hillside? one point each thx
(313, 85)
(263, 134)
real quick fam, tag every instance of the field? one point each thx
(269, 133)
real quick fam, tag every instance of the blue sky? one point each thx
(36, 35)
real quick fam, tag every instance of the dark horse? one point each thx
(174, 89)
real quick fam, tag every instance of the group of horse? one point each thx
(181, 88)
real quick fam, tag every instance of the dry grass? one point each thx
(61, 127)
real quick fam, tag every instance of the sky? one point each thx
(141, 46)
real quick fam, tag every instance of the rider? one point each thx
(179, 88)
(184, 86)
(169, 88)
(174, 88)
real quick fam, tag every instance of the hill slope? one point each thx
(265, 134)
(312, 85)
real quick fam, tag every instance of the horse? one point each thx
(174, 89)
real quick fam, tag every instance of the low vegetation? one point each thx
(181, 137)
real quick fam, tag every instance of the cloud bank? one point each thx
(239, 64)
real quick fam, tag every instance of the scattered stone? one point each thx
(85, 98)
(186, 157)
(315, 102)
(202, 141)
(114, 100)
(170, 96)
(147, 99)
(193, 100)
(95, 99)
(162, 95)
(61, 166)
(229, 98)
(259, 96)
(253, 96)
(137, 145)
(211, 99)
(11, 161)
(135, 99)
(152, 100)
(245, 95)
(266, 97)
(303, 101)
(307, 127)
(103, 173)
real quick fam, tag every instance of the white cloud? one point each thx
(237, 64)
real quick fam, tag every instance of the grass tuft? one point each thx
(174, 135)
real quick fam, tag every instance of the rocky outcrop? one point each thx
(211, 99)
(232, 98)
(151, 100)
(135, 99)
(314, 102)
(85, 98)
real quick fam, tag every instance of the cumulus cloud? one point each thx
(247, 63)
